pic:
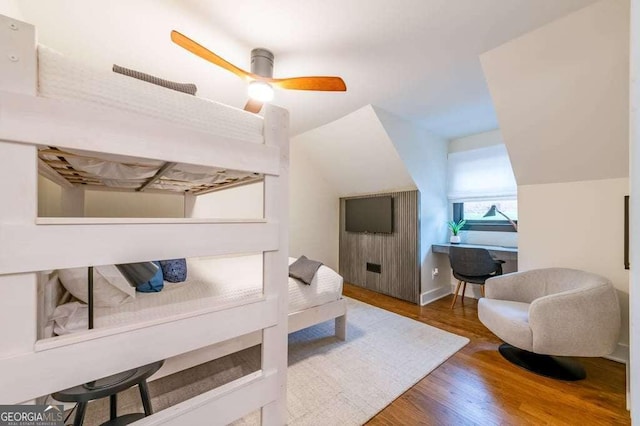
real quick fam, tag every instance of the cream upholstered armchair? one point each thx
(545, 314)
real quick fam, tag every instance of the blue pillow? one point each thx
(174, 270)
(155, 284)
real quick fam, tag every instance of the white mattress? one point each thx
(214, 281)
(62, 78)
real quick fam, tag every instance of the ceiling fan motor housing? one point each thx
(262, 62)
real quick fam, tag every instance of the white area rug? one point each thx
(330, 382)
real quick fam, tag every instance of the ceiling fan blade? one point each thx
(253, 106)
(199, 50)
(324, 84)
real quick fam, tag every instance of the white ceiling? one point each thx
(417, 58)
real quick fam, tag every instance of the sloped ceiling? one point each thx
(355, 154)
(417, 58)
(561, 94)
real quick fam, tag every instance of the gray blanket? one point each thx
(188, 88)
(304, 269)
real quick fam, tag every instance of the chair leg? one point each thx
(113, 406)
(455, 295)
(81, 409)
(482, 290)
(341, 327)
(464, 288)
(144, 396)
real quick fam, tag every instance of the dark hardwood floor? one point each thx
(476, 386)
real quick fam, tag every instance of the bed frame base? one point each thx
(297, 321)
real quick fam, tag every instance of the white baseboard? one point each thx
(434, 294)
(628, 386)
(473, 291)
(620, 354)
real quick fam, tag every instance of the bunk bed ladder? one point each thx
(276, 273)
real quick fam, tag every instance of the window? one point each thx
(474, 213)
(478, 179)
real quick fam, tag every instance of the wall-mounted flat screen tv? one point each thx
(372, 214)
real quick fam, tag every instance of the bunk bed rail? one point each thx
(33, 120)
(42, 371)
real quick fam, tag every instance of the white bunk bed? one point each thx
(32, 121)
(216, 280)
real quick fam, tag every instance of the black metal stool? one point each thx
(111, 386)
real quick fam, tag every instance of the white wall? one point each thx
(132, 204)
(576, 225)
(49, 198)
(634, 291)
(314, 209)
(241, 202)
(10, 8)
(110, 203)
(425, 157)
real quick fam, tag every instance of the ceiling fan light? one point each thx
(260, 91)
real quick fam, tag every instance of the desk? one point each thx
(498, 252)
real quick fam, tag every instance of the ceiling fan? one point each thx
(260, 78)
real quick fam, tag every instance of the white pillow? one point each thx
(70, 318)
(110, 287)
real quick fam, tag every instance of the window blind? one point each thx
(483, 173)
